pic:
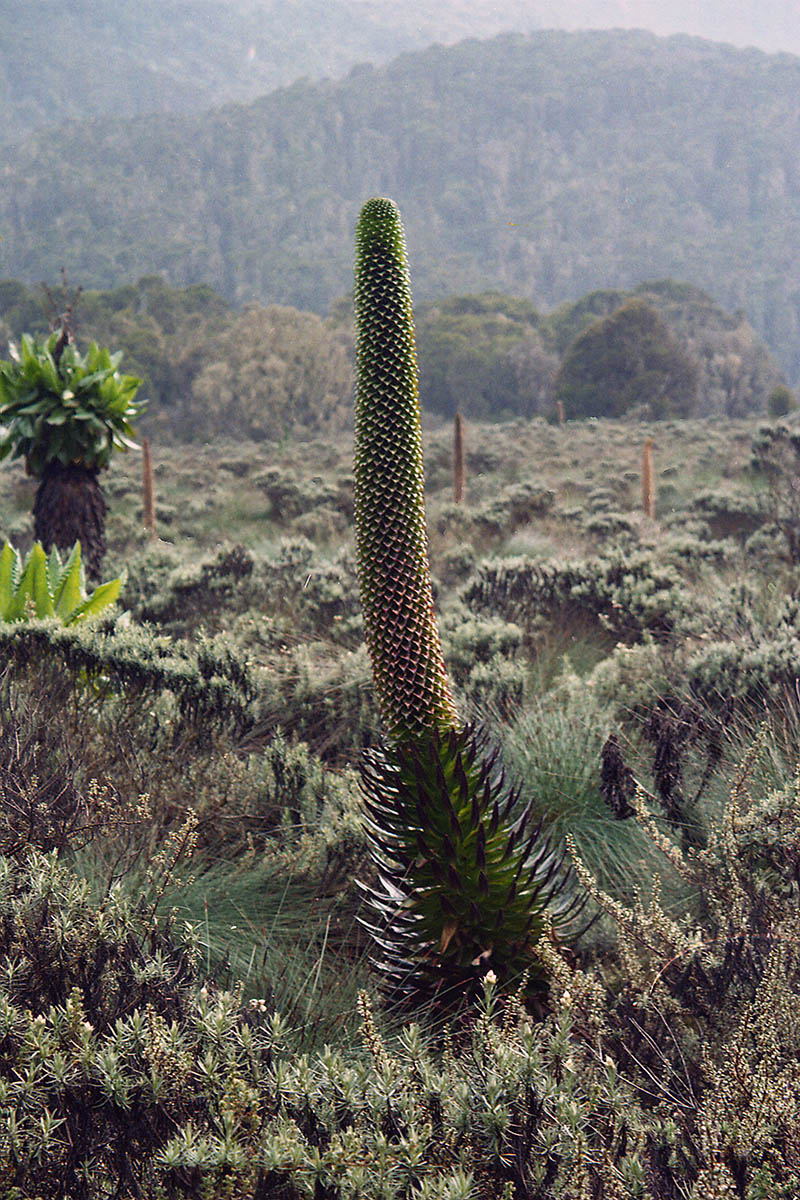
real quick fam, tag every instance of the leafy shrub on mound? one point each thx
(628, 593)
(728, 670)
(211, 685)
(192, 593)
(308, 594)
(516, 505)
(291, 497)
(729, 513)
(606, 524)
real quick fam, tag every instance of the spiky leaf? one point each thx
(465, 874)
(9, 575)
(67, 591)
(44, 587)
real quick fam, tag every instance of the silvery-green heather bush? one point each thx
(668, 1070)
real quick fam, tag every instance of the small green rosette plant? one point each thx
(44, 586)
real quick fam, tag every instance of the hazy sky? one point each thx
(769, 24)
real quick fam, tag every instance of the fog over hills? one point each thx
(542, 166)
(62, 59)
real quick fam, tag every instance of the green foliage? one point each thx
(109, 1028)
(516, 505)
(208, 369)
(658, 1057)
(554, 746)
(729, 511)
(121, 1068)
(485, 357)
(266, 374)
(67, 407)
(780, 401)
(192, 593)
(42, 586)
(626, 362)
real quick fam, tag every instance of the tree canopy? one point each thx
(628, 361)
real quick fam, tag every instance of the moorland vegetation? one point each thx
(187, 1002)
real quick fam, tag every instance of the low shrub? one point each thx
(627, 593)
(667, 1069)
(516, 505)
(210, 685)
(193, 593)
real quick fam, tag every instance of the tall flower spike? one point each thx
(462, 877)
(391, 539)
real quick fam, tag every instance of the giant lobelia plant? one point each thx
(465, 877)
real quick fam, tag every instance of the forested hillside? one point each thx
(126, 57)
(544, 166)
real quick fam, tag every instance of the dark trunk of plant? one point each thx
(70, 507)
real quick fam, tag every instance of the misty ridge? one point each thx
(544, 166)
(176, 56)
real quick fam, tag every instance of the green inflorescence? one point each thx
(463, 877)
(391, 538)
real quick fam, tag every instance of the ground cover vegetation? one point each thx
(187, 1002)
(236, 696)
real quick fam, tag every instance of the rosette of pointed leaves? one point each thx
(465, 874)
(464, 877)
(74, 408)
(43, 586)
(391, 538)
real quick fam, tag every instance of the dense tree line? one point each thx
(263, 372)
(207, 368)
